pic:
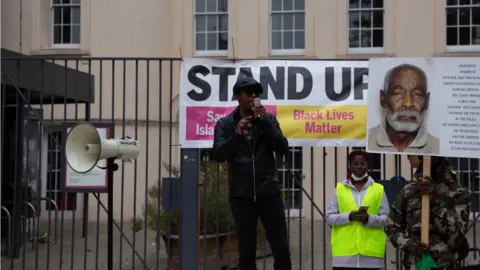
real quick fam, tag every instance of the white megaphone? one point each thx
(85, 147)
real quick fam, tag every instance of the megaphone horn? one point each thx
(85, 147)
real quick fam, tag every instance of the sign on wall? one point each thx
(427, 106)
(317, 103)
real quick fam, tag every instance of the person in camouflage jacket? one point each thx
(449, 215)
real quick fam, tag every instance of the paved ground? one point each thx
(87, 255)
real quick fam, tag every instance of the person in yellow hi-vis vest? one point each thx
(357, 213)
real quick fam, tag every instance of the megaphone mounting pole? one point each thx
(110, 165)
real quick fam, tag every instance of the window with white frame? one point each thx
(462, 25)
(365, 25)
(287, 26)
(290, 174)
(211, 26)
(65, 22)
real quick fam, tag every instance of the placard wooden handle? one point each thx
(425, 233)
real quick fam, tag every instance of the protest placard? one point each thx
(424, 106)
(317, 103)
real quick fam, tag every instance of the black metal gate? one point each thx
(169, 208)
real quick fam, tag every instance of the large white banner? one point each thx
(317, 103)
(427, 106)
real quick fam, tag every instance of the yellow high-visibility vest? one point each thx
(354, 238)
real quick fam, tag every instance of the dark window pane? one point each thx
(75, 1)
(49, 205)
(212, 41)
(200, 5)
(76, 15)
(452, 36)
(276, 40)
(353, 39)
(299, 44)
(299, 21)
(475, 207)
(287, 5)
(354, 19)
(452, 2)
(366, 3)
(464, 2)
(476, 35)
(276, 21)
(223, 41)
(378, 38)
(223, 5)
(211, 5)
(288, 22)
(366, 19)
(65, 1)
(212, 23)
(200, 42)
(223, 21)
(476, 15)
(464, 36)
(464, 16)
(287, 40)
(378, 18)
(66, 15)
(365, 38)
(299, 4)
(297, 151)
(354, 4)
(56, 2)
(475, 2)
(298, 203)
(57, 34)
(66, 38)
(76, 34)
(378, 3)
(276, 5)
(201, 23)
(57, 15)
(452, 16)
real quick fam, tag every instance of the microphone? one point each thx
(257, 102)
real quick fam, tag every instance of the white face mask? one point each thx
(356, 178)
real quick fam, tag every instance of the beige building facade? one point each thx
(246, 29)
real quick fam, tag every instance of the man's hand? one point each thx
(426, 187)
(259, 112)
(358, 216)
(416, 248)
(243, 124)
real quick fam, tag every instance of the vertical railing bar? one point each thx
(204, 208)
(169, 247)
(72, 258)
(324, 176)
(294, 184)
(39, 169)
(135, 163)
(122, 192)
(64, 194)
(312, 209)
(217, 210)
(26, 232)
(50, 142)
(158, 237)
(147, 146)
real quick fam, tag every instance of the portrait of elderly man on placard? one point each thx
(404, 100)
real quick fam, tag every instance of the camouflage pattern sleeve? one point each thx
(396, 225)
(451, 215)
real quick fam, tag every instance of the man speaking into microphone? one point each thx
(247, 139)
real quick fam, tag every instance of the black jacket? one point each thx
(267, 138)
